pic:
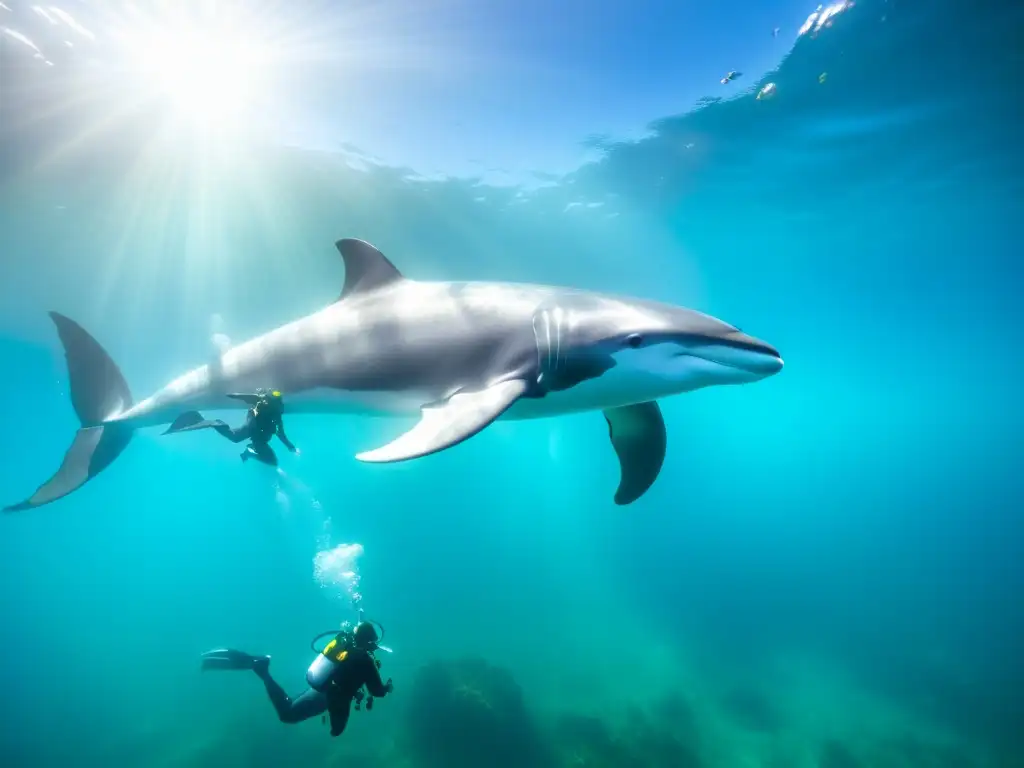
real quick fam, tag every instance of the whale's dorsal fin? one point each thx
(366, 268)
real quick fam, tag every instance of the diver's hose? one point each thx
(335, 632)
(312, 643)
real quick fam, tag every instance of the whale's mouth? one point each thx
(722, 363)
(757, 365)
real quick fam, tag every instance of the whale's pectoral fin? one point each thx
(442, 426)
(366, 268)
(638, 436)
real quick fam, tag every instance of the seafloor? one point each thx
(469, 712)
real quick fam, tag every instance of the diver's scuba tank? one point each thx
(321, 671)
(328, 659)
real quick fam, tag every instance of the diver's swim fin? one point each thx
(228, 659)
(189, 421)
(184, 421)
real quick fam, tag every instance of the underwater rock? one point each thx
(587, 742)
(674, 711)
(835, 754)
(661, 749)
(362, 758)
(467, 714)
(752, 710)
(913, 753)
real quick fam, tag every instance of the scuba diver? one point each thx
(336, 677)
(262, 421)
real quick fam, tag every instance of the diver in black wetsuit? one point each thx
(336, 677)
(262, 421)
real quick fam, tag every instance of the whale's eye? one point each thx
(634, 340)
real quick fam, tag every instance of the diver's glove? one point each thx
(389, 686)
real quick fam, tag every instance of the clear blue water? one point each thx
(826, 574)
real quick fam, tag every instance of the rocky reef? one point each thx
(640, 742)
(468, 713)
(752, 710)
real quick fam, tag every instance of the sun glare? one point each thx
(211, 77)
(203, 77)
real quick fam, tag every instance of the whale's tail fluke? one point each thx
(98, 393)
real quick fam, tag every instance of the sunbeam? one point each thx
(208, 76)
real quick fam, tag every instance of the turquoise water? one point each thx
(827, 573)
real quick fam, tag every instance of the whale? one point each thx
(453, 356)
